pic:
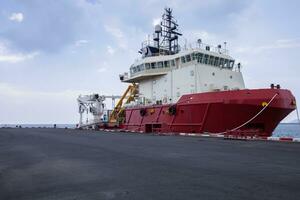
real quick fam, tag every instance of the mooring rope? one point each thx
(247, 122)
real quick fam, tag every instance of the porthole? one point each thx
(213, 73)
(230, 77)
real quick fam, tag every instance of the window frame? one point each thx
(182, 59)
(216, 62)
(188, 58)
(231, 64)
(211, 60)
(173, 63)
(221, 62)
(149, 66)
(153, 65)
(206, 59)
(166, 64)
(160, 64)
(200, 57)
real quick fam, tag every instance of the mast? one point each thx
(169, 32)
(165, 37)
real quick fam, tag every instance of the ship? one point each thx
(195, 88)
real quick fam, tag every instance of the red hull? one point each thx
(215, 112)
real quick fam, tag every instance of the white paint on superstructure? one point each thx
(166, 78)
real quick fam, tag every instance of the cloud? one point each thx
(7, 56)
(14, 58)
(278, 44)
(205, 36)
(81, 42)
(93, 1)
(17, 17)
(103, 67)
(50, 25)
(60, 106)
(114, 31)
(110, 50)
(156, 21)
(118, 35)
(11, 91)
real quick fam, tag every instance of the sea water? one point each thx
(287, 130)
(282, 130)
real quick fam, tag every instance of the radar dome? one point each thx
(158, 28)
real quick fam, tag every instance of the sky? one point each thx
(52, 51)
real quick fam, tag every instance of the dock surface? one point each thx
(76, 164)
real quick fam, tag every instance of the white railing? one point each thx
(190, 46)
(207, 47)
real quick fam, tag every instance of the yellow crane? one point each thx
(117, 115)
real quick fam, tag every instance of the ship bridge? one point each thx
(159, 65)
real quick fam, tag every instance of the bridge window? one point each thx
(160, 65)
(221, 62)
(167, 63)
(153, 65)
(216, 63)
(182, 59)
(172, 63)
(231, 64)
(134, 70)
(188, 58)
(206, 59)
(211, 60)
(147, 65)
(200, 58)
(194, 56)
(142, 67)
(226, 63)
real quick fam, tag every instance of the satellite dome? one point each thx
(158, 28)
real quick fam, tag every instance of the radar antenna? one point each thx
(165, 37)
(169, 32)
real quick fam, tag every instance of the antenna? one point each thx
(165, 37)
(169, 32)
(225, 43)
(199, 41)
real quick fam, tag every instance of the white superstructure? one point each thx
(165, 72)
(167, 77)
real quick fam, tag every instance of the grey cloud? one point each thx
(93, 1)
(49, 25)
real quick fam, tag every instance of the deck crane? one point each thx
(93, 104)
(129, 95)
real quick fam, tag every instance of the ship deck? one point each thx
(77, 164)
